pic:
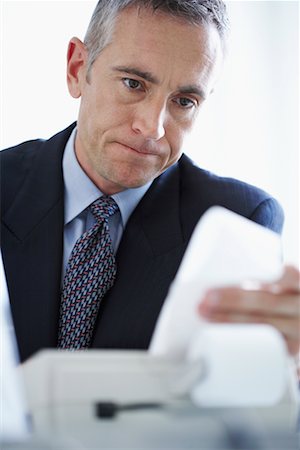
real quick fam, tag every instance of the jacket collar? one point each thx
(42, 189)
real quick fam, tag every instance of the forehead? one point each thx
(163, 44)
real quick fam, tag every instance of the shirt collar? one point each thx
(80, 191)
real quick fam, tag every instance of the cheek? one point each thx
(175, 137)
(102, 117)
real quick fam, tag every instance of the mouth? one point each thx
(139, 150)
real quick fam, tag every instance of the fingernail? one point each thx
(212, 297)
(209, 302)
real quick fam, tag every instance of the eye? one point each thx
(130, 83)
(185, 102)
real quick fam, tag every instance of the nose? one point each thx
(149, 120)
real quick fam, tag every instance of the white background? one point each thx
(248, 129)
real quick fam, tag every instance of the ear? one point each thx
(76, 66)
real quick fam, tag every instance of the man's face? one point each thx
(141, 97)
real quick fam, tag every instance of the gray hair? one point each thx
(196, 12)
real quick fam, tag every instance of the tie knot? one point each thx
(103, 208)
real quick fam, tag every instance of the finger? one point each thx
(250, 301)
(293, 347)
(289, 281)
(288, 328)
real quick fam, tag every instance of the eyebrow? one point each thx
(140, 73)
(192, 89)
(188, 89)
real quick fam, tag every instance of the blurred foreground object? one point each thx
(13, 424)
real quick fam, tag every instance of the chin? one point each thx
(133, 184)
(131, 181)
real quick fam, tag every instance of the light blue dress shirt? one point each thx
(80, 192)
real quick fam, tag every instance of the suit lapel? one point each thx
(32, 244)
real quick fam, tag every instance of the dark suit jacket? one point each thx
(148, 257)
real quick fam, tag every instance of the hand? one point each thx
(277, 304)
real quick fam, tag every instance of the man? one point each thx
(142, 74)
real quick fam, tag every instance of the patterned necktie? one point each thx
(91, 271)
